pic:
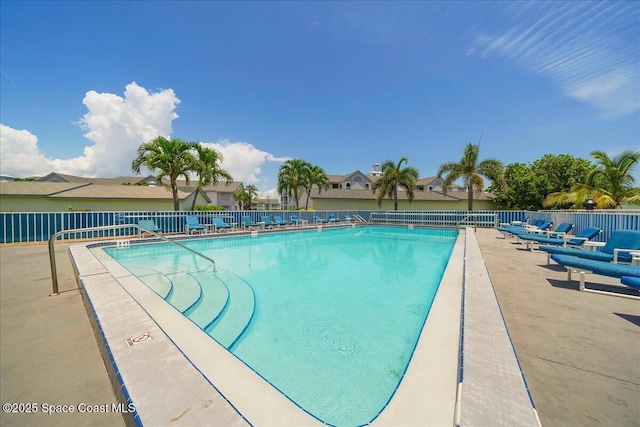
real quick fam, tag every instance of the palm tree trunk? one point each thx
(174, 191)
(470, 199)
(193, 203)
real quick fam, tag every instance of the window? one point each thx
(348, 185)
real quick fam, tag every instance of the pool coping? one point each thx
(213, 382)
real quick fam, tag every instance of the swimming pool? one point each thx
(331, 319)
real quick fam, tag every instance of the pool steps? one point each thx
(213, 300)
(223, 309)
(185, 293)
(158, 282)
(237, 315)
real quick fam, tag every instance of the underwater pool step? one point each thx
(237, 315)
(159, 283)
(213, 300)
(185, 292)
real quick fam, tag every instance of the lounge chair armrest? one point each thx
(541, 232)
(568, 237)
(616, 252)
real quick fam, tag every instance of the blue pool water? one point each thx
(329, 318)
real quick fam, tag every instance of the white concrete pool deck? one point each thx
(47, 355)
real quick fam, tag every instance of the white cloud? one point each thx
(244, 161)
(588, 48)
(114, 125)
(117, 126)
(19, 154)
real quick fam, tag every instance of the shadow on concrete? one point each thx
(564, 284)
(553, 267)
(630, 317)
(612, 289)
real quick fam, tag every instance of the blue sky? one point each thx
(342, 85)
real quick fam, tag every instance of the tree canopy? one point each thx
(245, 196)
(170, 158)
(471, 171)
(526, 187)
(175, 158)
(609, 184)
(208, 168)
(394, 176)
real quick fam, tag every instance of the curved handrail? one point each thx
(52, 254)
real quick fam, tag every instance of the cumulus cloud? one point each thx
(242, 160)
(114, 125)
(19, 154)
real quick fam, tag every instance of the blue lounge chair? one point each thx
(630, 281)
(333, 218)
(149, 225)
(281, 222)
(515, 229)
(298, 221)
(532, 230)
(507, 228)
(192, 224)
(603, 268)
(319, 220)
(219, 224)
(519, 222)
(267, 222)
(247, 223)
(562, 230)
(617, 249)
(566, 240)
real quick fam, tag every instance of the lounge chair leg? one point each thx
(582, 279)
(548, 258)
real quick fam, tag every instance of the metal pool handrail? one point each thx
(52, 254)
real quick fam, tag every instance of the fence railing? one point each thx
(436, 218)
(24, 227)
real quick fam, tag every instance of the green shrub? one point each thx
(209, 208)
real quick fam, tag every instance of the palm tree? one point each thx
(170, 157)
(292, 177)
(471, 171)
(244, 196)
(393, 177)
(315, 176)
(208, 169)
(609, 184)
(613, 176)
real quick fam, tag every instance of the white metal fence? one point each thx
(19, 227)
